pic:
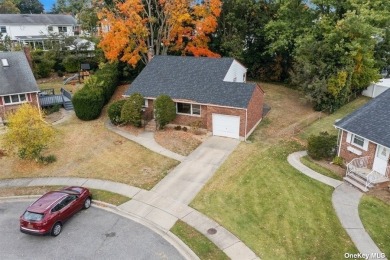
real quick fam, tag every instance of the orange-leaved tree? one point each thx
(130, 27)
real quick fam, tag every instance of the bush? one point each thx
(43, 63)
(60, 73)
(132, 110)
(114, 112)
(178, 127)
(88, 103)
(322, 146)
(337, 160)
(52, 109)
(71, 63)
(97, 91)
(47, 159)
(165, 110)
(185, 129)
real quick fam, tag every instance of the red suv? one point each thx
(49, 212)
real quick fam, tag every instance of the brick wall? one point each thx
(348, 156)
(188, 119)
(255, 108)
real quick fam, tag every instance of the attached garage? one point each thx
(226, 125)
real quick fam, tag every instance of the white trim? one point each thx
(364, 137)
(341, 142)
(20, 93)
(349, 137)
(15, 103)
(191, 111)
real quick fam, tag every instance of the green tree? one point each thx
(43, 63)
(132, 110)
(165, 110)
(8, 7)
(27, 133)
(30, 6)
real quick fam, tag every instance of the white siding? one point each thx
(236, 73)
(32, 30)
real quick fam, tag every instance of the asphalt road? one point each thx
(90, 234)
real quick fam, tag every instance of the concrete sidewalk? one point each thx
(153, 208)
(146, 139)
(345, 200)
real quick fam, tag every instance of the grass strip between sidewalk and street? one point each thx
(101, 195)
(307, 161)
(201, 245)
(375, 218)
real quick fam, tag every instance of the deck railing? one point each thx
(371, 178)
(66, 93)
(354, 164)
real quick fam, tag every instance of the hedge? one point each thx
(97, 91)
(132, 110)
(322, 146)
(165, 110)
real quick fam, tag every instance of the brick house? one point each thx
(364, 142)
(211, 92)
(17, 82)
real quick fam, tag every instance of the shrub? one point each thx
(337, 160)
(165, 110)
(47, 159)
(185, 129)
(52, 109)
(60, 73)
(322, 146)
(71, 63)
(132, 110)
(178, 127)
(43, 63)
(88, 103)
(114, 112)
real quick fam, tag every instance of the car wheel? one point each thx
(56, 230)
(87, 203)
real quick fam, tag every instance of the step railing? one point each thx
(371, 178)
(354, 164)
(388, 172)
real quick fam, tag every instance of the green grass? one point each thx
(273, 208)
(201, 246)
(109, 197)
(306, 160)
(375, 217)
(326, 123)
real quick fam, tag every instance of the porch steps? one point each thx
(355, 183)
(68, 105)
(151, 126)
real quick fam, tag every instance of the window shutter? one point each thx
(349, 137)
(365, 145)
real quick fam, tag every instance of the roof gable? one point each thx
(194, 79)
(371, 121)
(17, 77)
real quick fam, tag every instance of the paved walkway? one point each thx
(345, 200)
(146, 139)
(154, 209)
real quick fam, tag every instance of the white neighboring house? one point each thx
(377, 88)
(35, 29)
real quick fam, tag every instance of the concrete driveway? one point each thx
(189, 177)
(90, 234)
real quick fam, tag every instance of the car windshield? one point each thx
(32, 216)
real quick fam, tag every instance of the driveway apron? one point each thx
(188, 178)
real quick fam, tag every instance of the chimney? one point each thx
(150, 53)
(27, 52)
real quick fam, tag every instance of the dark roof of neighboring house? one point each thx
(192, 78)
(46, 19)
(17, 77)
(371, 121)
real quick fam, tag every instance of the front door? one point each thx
(381, 159)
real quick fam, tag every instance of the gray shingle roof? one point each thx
(17, 77)
(189, 78)
(371, 121)
(45, 19)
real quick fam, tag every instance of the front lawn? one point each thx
(89, 150)
(306, 160)
(375, 217)
(274, 209)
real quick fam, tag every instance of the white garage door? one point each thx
(224, 125)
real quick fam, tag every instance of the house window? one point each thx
(188, 109)
(62, 29)
(50, 28)
(357, 140)
(3, 29)
(14, 99)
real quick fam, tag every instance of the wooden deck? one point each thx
(51, 100)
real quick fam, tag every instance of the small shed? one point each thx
(377, 88)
